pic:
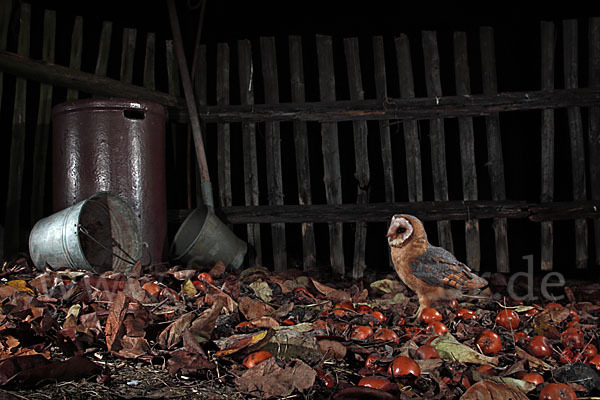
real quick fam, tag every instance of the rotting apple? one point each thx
(508, 319)
(539, 346)
(557, 391)
(404, 366)
(429, 315)
(489, 342)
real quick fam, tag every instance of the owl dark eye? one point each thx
(401, 230)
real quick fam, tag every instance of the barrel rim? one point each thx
(108, 104)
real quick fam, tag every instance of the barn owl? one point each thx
(433, 273)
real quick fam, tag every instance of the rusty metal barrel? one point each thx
(114, 145)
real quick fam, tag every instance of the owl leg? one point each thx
(424, 302)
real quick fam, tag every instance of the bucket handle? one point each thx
(117, 245)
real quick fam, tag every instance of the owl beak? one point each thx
(390, 231)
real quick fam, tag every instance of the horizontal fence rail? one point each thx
(427, 211)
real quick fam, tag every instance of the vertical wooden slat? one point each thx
(5, 12)
(330, 148)
(246, 77)
(42, 129)
(301, 147)
(411, 128)
(149, 62)
(173, 86)
(594, 123)
(17, 144)
(467, 149)
(571, 65)
(76, 51)
(273, 153)
(104, 49)
(384, 126)
(547, 172)
(127, 55)
(223, 130)
(436, 134)
(201, 90)
(494, 144)
(361, 154)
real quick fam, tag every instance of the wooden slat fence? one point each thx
(348, 178)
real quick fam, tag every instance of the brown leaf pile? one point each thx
(209, 324)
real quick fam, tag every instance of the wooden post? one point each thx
(309, 250)
(361, 154)
(331, 153)
(467, 149)
(76, 51)
(17, 145)
(436, 134)
(571, 65)
(149, 62)
(411, 128)
(104, 49)
(245, 71)
(384, 126)
(127, 55)
(223, 130)
(174, 88)
(42, 128)
(594, 123)
(547, 156)
(5, 13)
(273, 151)
(494, 144)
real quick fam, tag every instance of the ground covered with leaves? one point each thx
(214, 333)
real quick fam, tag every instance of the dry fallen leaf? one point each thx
(518, 384)
(534, 362)
(188, 288)
(265, 322)
(254, 309)
(236, 343)
(489, 390)
(114, 329)
(7, 291)
(218, 269)
(387, 286)
(184, 274)
(20, 285)
(171, 335)
(450, 349)
(268, 379)
(203, 326)
(332, 349)
(262, 290)
(335, 295)
(188, 362)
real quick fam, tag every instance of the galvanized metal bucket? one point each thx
(203, 239)
(97, 234)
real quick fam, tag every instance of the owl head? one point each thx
(402, 229)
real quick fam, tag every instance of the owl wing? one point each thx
(438, 267)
